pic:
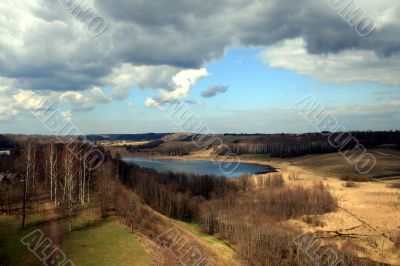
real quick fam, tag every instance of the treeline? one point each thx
(130, 137)
(166, 152)
(313, 143)
(280, 146)
(372, 139)
(150, 149)
(7, 143)
(173, 194)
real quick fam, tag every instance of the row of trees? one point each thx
(176, 195)
(279, 146)
(316, 143)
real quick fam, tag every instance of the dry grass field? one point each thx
(368, 218)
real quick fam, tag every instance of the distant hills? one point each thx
(11, 140)
(130, 137)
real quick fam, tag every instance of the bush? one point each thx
(397, 241)
(313, 220)
(291, 202)
(355, 178)
(394, 185)
(270, 180)
(270, 245)
(351, 184)
(273, 180)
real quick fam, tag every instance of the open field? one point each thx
(123, 143)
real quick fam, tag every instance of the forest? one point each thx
(288, 145)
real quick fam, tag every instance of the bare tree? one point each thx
(106, 187)
(82, 181)
(52, 170)
(88, 185)
(4, 192)
(70, 184)
(29, 152)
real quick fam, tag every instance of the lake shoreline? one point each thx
(200, 166)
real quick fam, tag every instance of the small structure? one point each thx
(5, 153)
(3, 177)
(10, 178)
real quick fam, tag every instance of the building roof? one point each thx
(11, 177)
(5, 152)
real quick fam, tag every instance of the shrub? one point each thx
(394, 185)
(273, 180)
(397, 241)
(290, 202)
(313, 220)
(355, 178)
(270, 180)
(294, 176)
(351, 184)
(244, 182)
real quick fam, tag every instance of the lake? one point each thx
(201, 167)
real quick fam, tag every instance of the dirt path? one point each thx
(55, 231)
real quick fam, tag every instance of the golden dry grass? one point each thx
(369, 215)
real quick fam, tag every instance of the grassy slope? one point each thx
(97, 242)
(372, 208)
(92, 242)
(220, 248)
(106, 243)
(333, 164)
(10, 245)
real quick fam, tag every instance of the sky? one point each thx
(240, 66)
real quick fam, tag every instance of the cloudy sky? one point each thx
(109, 66)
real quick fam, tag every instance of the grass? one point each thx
(355, 178)
(351, 184)
(258, 157)
(394, 185)
(333, 164)
(93, 241)
(12, 251)
(106, 243)
(220, 248)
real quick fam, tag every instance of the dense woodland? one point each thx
(150, 149)
(287, 145)
(275, 145)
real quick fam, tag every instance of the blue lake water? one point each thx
(203, 167)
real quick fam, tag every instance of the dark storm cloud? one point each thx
(44, 47)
